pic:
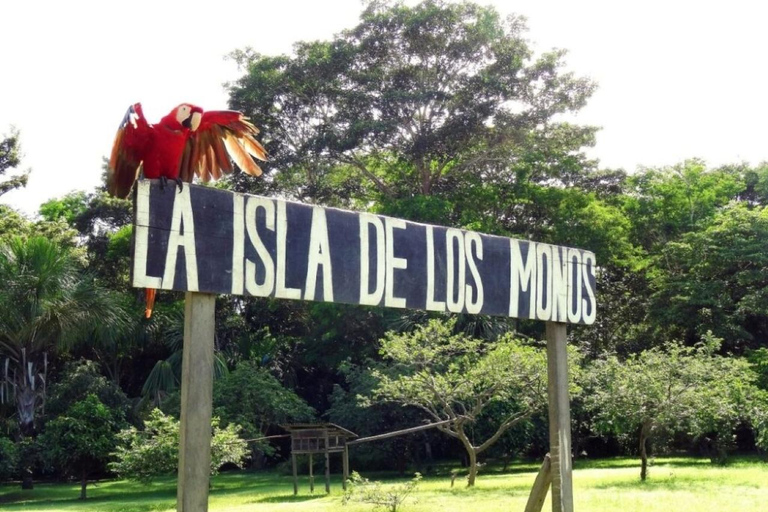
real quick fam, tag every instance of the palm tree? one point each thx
(46, 304)
(165, 376)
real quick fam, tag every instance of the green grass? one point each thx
(684, 484)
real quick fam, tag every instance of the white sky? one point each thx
(677, 79)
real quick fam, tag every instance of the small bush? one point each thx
(382, 497)
(154, 451)
(9, 459)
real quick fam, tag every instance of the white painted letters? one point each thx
(474, 305)
(282, 291)
(141, 244)
(432, 304)
(238, 243)
(181, 219)
(522, 277)
(588, 307)
(272, 245)
(574, 285)
(393, 263)
(371, 298)
(559, 280)
(319, 254)
(264, 289)
(455, 261)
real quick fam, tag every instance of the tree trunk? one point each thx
(471, 456)
(644, 433)
(83, 483)
(25, 409)
(27, 484)
(472, 467)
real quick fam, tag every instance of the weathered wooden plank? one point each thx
(395, 433)
(311, 475)
(327, 466)
(559, 418)
(196, 404)
(295, 474)
(345, 468)
(216, 241)
(540, 486)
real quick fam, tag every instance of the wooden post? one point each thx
(327, 466)
(196, 398)
(540, 487)
(311, 476)
(559, 418)
(345, 474)
(295, 475)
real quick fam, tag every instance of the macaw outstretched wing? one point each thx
(126, 156)
(221, 136)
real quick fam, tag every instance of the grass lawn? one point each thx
(675, 484)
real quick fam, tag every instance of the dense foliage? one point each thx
(82, 438)
(437, 112)
(144, 454)
(454, 377)
(675, 389)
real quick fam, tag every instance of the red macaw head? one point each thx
(188, 116)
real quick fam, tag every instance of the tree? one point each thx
(714, 279)
(165, 376)
(411, 102)
(45, 304)
(10, 158)
(351, 407)
(454, 377)
(77, 381)
(674, 388)
(12, 223)
(154, 451)
(670, 267)
(82, 438)
(69, 207)
(9, 458)
(665, 203)
(252, 398)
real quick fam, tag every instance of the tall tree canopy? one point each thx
(411, 101)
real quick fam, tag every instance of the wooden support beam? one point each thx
(327, 466)
(311, 476)
(559, 418)
(295, 475)
(399, 432)
(540, 486)
(196, 403)
(345, 475)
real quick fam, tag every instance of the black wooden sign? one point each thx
(214, 241)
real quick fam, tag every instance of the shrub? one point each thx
(9, 458)
(154, 451)
(382, 497)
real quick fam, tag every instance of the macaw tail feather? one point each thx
(150, 293)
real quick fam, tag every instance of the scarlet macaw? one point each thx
(185, 143)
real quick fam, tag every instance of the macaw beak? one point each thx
(194, 120)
